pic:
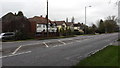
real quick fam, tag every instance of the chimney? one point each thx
(41, 16)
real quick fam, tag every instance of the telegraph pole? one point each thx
(85, 21)
(47, 19)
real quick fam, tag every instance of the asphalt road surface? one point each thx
(53, 52)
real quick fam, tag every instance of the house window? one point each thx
(39, 25)
(44, 26)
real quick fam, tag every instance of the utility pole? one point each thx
(47, 19)
(85, 21)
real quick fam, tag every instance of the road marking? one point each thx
(15, 54)
(78, 41)
(62, 42)
(3, 57)
(17, 49)
(45, 44)
(93, 52)
(56, 46)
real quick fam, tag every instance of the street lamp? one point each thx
(86, 17)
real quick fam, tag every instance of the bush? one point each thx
(21, 36)
(118, 39)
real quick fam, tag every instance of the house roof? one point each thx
(40, 20)
(69, 23)
(59, 22)
(77, 25)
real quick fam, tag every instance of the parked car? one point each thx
(7, 36)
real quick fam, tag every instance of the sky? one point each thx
(62, 9)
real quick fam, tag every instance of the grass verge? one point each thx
(118, 39)
(105, 57)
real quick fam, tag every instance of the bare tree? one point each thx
(114, 18)
(73, 19)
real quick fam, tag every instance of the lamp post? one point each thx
(86, 17)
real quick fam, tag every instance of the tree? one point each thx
(94, 28)
(109, 25)
(16, 23)
(66, 19)
(73, 19)
(101, 26)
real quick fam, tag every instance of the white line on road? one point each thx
(17, 49)
(62, 42)
(3, 57)
(15, 54)
(45, 44)
(78, 41)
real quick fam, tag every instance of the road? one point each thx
(53, 52)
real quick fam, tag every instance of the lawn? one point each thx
(118, 39)
(105, 57)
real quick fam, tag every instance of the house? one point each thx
(78, 27)
(60, 25)
(70, 26)
(39, 25)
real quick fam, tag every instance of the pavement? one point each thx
(116, 43)
(53, 52)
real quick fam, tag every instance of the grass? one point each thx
(118, 39)
(105, 57)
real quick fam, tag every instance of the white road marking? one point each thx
(3, 57)
(78, 41)
(55, 46)
(15, 54)
(45, 44)
(93, 52)
(17, 49)
(62, 42)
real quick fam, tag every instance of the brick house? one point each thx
(39, 27)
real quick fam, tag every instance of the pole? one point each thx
(47, 18)
(85, 20)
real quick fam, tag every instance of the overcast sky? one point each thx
(61, 9)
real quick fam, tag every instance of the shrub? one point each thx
(21, 36)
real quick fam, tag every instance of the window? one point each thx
(44, 26)
(39, 25)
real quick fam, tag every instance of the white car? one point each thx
(1, 35)
(7, 35)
